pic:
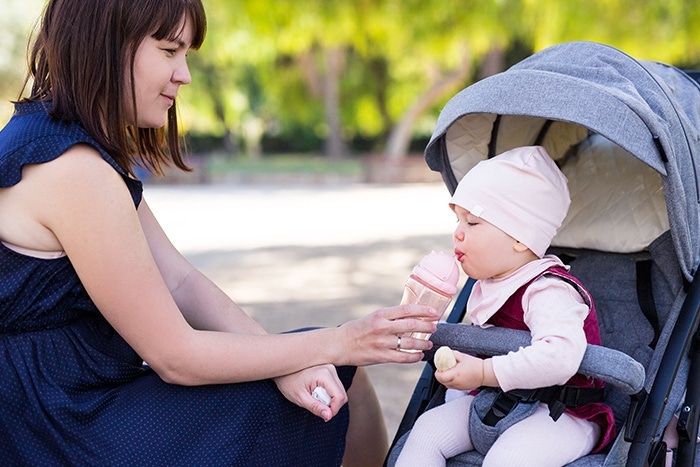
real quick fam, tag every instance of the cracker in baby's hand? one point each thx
(444, 358)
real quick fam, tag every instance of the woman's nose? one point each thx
(182, 74)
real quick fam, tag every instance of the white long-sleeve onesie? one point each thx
(554, 311)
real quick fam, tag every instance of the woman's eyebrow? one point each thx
(176, 40)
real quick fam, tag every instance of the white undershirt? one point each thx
(553, 311)
(35, 253)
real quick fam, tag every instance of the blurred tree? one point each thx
(404, 56)
(439, 45)
(662, 30)
(315, 37)
(224, 97)
(16, 21)
(374, 70)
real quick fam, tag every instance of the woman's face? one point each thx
(160, 68)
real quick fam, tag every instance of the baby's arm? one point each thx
(554, 312)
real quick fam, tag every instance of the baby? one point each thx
(508, 210)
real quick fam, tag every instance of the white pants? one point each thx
(443, 432)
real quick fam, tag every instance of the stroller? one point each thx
(626, 133)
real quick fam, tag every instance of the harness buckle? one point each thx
(504, 403)
(556, 408)
(557, 398)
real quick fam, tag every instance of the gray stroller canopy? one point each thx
(558, 96)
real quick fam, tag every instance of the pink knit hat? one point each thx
(522, 192)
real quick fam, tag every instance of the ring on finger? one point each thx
(398, 342)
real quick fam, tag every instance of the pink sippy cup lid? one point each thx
(439, 270)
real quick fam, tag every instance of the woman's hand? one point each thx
(375, 338)
(297, 388)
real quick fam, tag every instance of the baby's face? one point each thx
(483, 250)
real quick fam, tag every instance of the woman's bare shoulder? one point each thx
(50, 191)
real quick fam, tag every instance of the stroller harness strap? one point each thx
(645, 296)
(557, 399)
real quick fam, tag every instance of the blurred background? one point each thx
(365, 79)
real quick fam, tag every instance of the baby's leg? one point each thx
(539, 440)
(438, 434)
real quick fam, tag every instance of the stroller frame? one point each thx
(659, 106)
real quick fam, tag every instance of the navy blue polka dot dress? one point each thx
(72, 392)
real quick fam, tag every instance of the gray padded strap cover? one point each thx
(612, 366)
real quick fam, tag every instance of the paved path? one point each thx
(311, 256)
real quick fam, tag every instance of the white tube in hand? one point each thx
(321, 395)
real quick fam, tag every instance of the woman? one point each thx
(90, 286)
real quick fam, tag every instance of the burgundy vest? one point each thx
(510, 315)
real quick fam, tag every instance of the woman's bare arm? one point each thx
(126, 266)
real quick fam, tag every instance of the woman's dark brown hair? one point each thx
(81, 54)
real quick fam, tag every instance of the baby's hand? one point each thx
(444, 358)
(468, 373)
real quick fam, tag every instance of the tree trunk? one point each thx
(229, 139)
(214, 88)
(334, 58)
(400, 137)
(494, 62)
(379, 74)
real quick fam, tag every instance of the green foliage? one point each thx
(16, 22)
(662, 30)
(221, 165)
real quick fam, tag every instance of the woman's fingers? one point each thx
(384, 335)
(409, 311)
